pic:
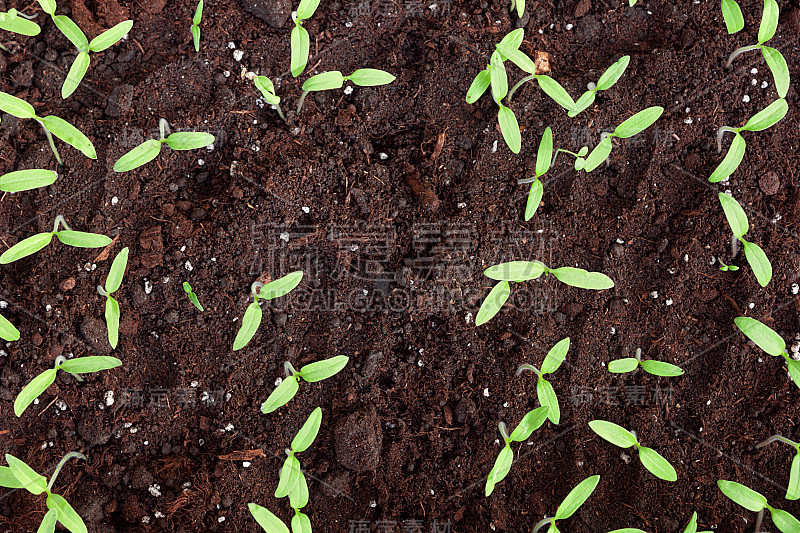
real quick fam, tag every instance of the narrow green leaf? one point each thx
(547, 398)
(289, 475)
(250, 323)
(306, 9)
(27, 476)
(324, 369)
(370, 77)
(110, 37)
(554, 90)
(577, 497)
(582, 104)
(16, 106)
(8, 480)
(793, 491)
(767, 117)
(92, 363)
(511, 41)
(75, 75)
(556, 355)
(660, 368)
(196, 38)
(763, 336)
(691, 527)
(20, 25)
(282, 394)
(656, 464)
(112, 321)
(737, 219)
(49, 6)
(732, 14)
(616, 435)
(324, 82)
(744, 496)
(784, 521)
(48, 524)
(72, 32)
(515, 271)
(305, 437)
(493, 302)
(300, 44)
(612, 75)
(268, 521)
(70, 135)
(769, 21)
(7, 330)
(25, 180)
(623, 366)
(534, 199)
(731, 161)
(583, 279)
(780, 70)
(759, 262)
(117, 271)
(638, 122)
(794, 369)
(532, 421)
(66, 514)
(509, 128)
(298, 498)
(267, 89)
(192, 296)
(141, 155)
(198, 14)
(301, 523)
(598, 155)
(520, 7)
(189, 140)
(26, 247)
(479, 86)
(281, 286)
(83, 239)
(521, 59)
(499, 78)
(545, 154)
(500, 469)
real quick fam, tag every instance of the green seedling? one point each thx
(756, 502)
(7, 330)
(691, 527)
(267, 89)
(657, 368)
(26, 180)
(737, 219)
(606, 81)
(17, 22)
(31, 245)
(732, 14)
(793, 491)
(619, 436)
(310, 373)
(774, 59)
(192, 296)
(532, 421)
(18, 475)
(767, 117)
(519, 271)
(727, 268)
(149, 150)
(77, 366)
(571, 503)
(769, 341)
(300, 41)
(544, 390)
(630, 127)
(253, 314)
(198, 16)
(52, 126)
(113, 282)
(76, 36)
(363, 77)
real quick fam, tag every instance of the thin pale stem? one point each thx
(720, 133)
(61, 463)
(759, 519)
(520, 83)
(525, 367)
(288, 368)
(101, 291)
(299, 103)
(734, 245)
(739, 51)
(542, 523)
(280, 111)
(254, 288)
(52, 143)
(163, 128)
(503, 430)
(553, 162)
(638, 354)
(60, 220)
(777, 438)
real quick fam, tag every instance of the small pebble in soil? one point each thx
(114, 201)
(383, 156)
(754, 82)
(238, 55)
(654, 294)
(486, 392)
(795, 288)
(753, 71)
(155, 490)
(746, 99)
(751, 305)
(221, 519)
(278, 382)
(188, 266)
(669, 301)
(306, 210)
(568, 27)
(764, 84)
(109, 398)
(148, 287)
(494, 147)
(469, 318)
(462, 205)
(246, 464)
(348, 90)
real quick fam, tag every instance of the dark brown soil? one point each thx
(394, 247)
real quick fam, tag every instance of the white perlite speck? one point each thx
(188, 266)
(348, 90)
(486, 392)
(155, 490)
(109, 398)
(238, 55)
(746, 99)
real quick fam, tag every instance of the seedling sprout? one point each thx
(544, 390)
(657, 368)
(192, 296)
(576, 497)
(33, 244)
(756, 502)
(619, 436)
(363, 77)
(793, 491)
(606, 81)
(198, 16)
(630, 127)
(113, 282)
(310, 373)
(727, 268)
(769, 341)
(737, 219)
(253, 314)
(532, 421)
(300, 41)
(17, 22)
(149, 150)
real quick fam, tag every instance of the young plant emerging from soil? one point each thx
(519, 271)
(17, 22)
(31, 245)
(544, 390)
(311, 373)
(532, 421)
(18, 475)
(76, 36)
(630, 127)
(767, 117)
(192, 296)
(571, 503)
(732, 14)
(26, 180)
(113, 282)
(7, 330)
(737, 220)
(149, 150)
(326, 81)
(606, 81)
(769, 341)
(198, 17)
(52, 126)
(727, 268)
(300, 41)
(793, 491)
(253, 314)
(774, 59)
(657, 368)
(756, 502)
(76, 366)
(691, 527)
(619, 436)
